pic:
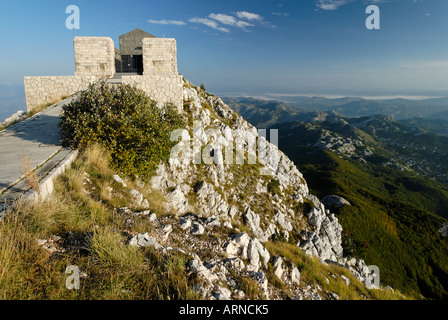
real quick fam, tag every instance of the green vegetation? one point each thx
(81, 223)
(304, 207)
(92, 236)
(435, 125)
(327, 276)
(274, 187)
(392, 222)
(125, 121)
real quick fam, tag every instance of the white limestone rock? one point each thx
(145, 240)
(333, 201)
(119, 180)
(198, 229)
(177, 200)
(152, 217)
(222, 293)
(185, 223)
(278, 267)
(138, 198)
(295, 275)
(197, 266)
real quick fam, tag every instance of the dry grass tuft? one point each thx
(81, 215)
(30, 175)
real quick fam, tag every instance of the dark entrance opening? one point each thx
(132, 64)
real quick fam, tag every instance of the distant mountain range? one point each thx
(393, 173)
(435, 108)
(418, 144)
(435, 125)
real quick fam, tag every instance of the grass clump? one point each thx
(328, 276)
(274, 187)
(80, 221)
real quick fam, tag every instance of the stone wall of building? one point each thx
(94, 56)
(159, 56)
(43, 90)
(162, 88)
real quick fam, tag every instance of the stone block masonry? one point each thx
(95, 59)
(159, 56)
(94, 56)
(43, 90)
(161, 88)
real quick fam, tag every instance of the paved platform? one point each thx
(38, 139)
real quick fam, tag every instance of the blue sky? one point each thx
(274, 46)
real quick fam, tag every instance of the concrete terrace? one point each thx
(38, 139)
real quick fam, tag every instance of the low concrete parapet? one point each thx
(46, 185)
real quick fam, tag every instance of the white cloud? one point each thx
(220, 21)
(223, 18)
(335, 4)
(174, 22)
(331, 4)
(248, 15)
(230, 20)
(210, 23)
(244, 24)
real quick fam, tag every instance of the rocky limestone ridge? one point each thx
(229, 193)
(333, 201)
(230, 221)
(219, 262)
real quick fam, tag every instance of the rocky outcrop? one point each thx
(144, 240)
(444, 230)
(213, 196)
(242, 246)
(16, 117)
(333, 201)
(324, 240)
(323, 235)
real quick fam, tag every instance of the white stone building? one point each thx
(150, 66)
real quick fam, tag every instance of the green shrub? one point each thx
(304, 207)
(274, 187)
(124, 120)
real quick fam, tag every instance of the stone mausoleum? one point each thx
(129, 58)
(143, 60)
